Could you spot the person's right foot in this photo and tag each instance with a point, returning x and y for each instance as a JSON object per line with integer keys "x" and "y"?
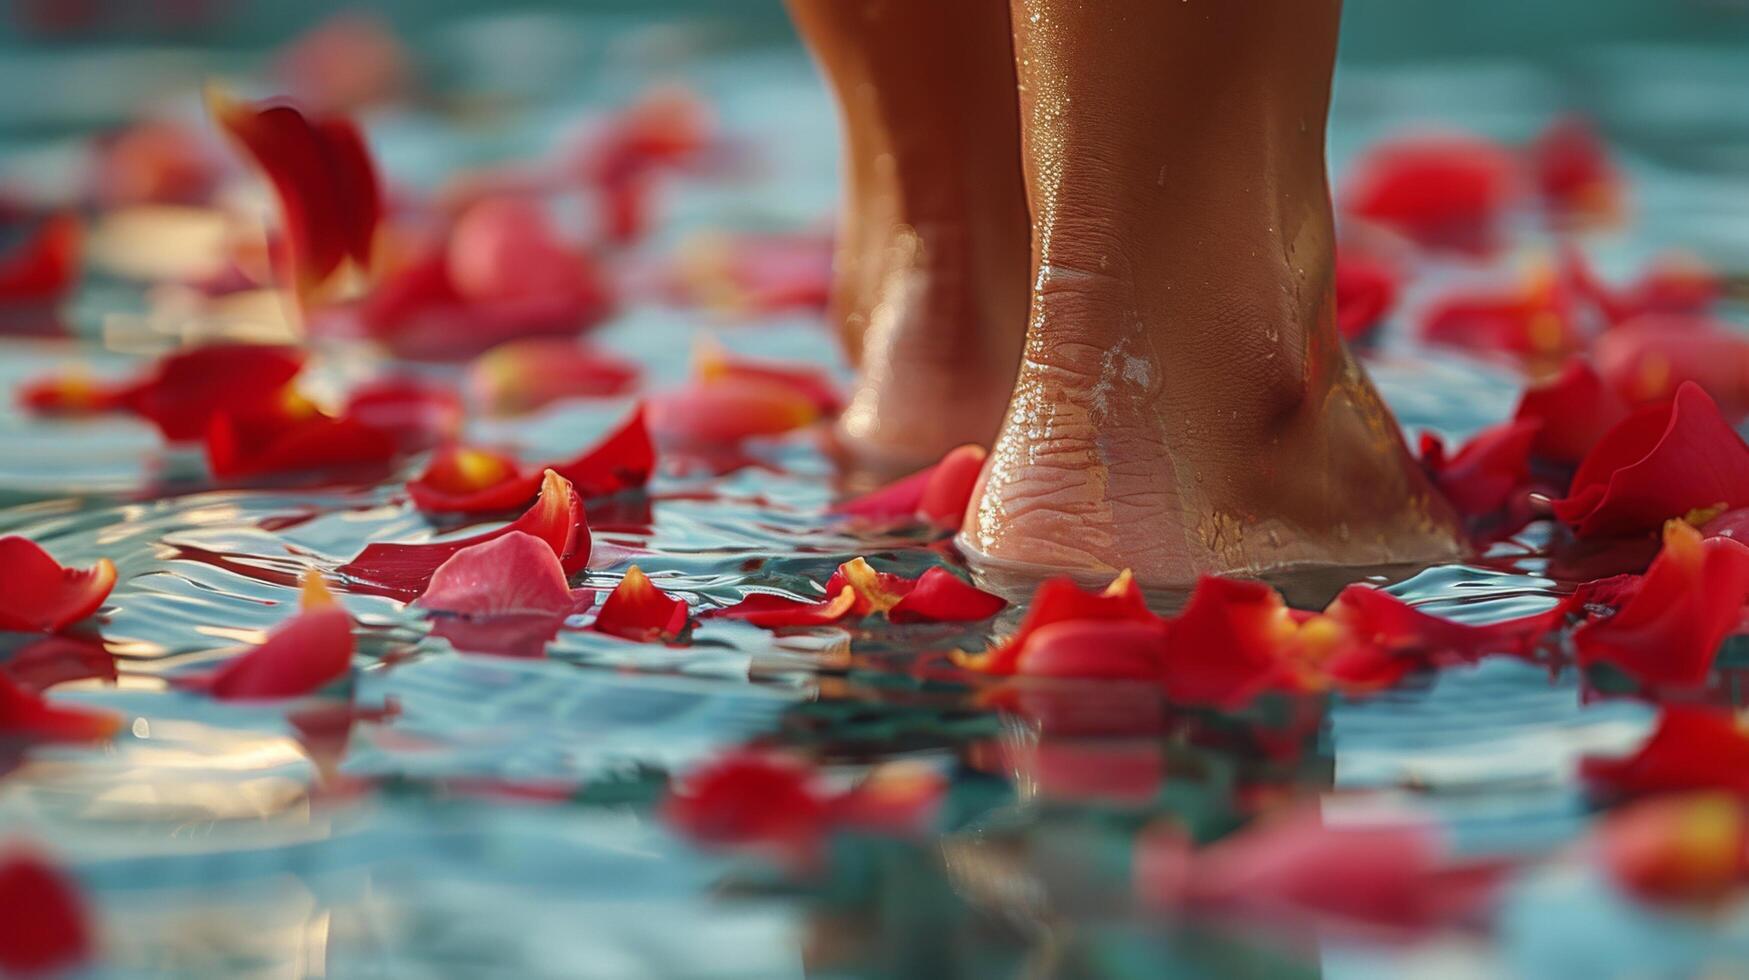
{"x": 1185, "y": 405}
{"x": 932, "y": 258}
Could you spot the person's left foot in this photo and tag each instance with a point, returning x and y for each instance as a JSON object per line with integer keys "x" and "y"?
{"x": 930, "y": 289}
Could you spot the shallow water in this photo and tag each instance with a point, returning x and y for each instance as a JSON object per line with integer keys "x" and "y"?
{"x": 500, "y": 822}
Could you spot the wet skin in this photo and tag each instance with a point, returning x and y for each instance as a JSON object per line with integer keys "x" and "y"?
{"x": 930, "y": 289}
{"x": 1183, "y": 402}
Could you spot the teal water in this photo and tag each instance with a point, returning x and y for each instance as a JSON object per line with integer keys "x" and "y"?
{"x": 213, "y": 841}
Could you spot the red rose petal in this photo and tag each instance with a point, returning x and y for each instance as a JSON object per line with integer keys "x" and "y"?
{"x": 622, "y": 460}
{"x": 1669, "y": 630}
{"x": 1486, "y": 471}
{"x": 1648, "y": 357}
{"x": 303, "y": 655}
{"x": 503, "y": 249}
{"x": 38, "y": 595}
{"x": 948, "y": 493}
{"x": 940, "y": 596}
{"x": 1685, "y": 848}
{"x": 415, "y": 413}
{"x": 1674, "y": 285}
{"x": 1376, "y": 619}
{"x": 44, "y": 267}
{"x": 350, "y": 61}
{"x": 755, "y": 274}
{"x": 1660, "y": 462}
{"x": 523, "y": 375}
{"x": 278, "y": 441}
{"x": 182, "y": 392}
{"x": 152, "y": 162}
{"x": 1224, "y": 648}
{"x": 1690, "y": 749}
{"x": 1060, "y": 600}
{"x": 637, "y": 610}
{"x": 1572, "y": 413}
{"x": 1396, "y": 876}
{"x": 711, "y": 363}
{"x": 751, "y": 799}
{"x": 1532, "y": 321}
{"x": 51, "y": 660}
{"x": 1574, "y": 173}
{"x": 514, "y": 574}
{"x": 1092, "y": 649}
{"x": 419, "y": 312}
{"x": 1442, "y": 191}
{"x": 728, "y": 411}
{"x": 406, "y": 569}
{"x": 938, "y": 495}
{"x": 664, "y": 129}
{"x": 45, "y": 930}
{"x": 322, "y": 173}
{"x": 462, "y": 480}
{"x": 769, "y": 611}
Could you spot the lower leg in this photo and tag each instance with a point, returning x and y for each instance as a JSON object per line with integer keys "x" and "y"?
{"x": 930, "y": 285}
{"x": 1184, "y": 403}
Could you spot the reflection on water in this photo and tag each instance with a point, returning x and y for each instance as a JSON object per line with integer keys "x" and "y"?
{"x": 463, "y": 815}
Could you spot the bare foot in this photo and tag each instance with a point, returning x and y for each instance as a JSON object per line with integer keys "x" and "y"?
{"x": 1184, "y": 404}
{"x": 930, "y": 287}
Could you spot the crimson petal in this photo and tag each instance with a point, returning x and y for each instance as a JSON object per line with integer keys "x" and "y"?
{"x": 1660, "y": 462}
{"x": 511, "y": 574}
{"x": 45, "y": 930}
{"x": 1669, "y": 629}
{"x": 1648, "y": 357}
{"x": 751, "y": 799}
{"x": 1574, "y": 173}
{"x": 1442, "y": 191}
{"x": 1690, "y": 749}
{"x": 1222, "y": 649}
{"x": 1060, "y": 600}
{"x": 275, "y": 442}
{"x": 1572, "y": 412}
{"x": 523, "y": 375}
{"x": 38, "y": 595}
{"x": 940, "y": 596}
{"x": 637, "y": 610}
{"x": 1486, "y": 471}
{"x": 322, "y": 173}
{"x": 463, "y": 480}
{"x": 622, "y": 460}
{"x": 45, "y": 267}
{"x": 939, "y": 495}
{"x": 405, "y": 569}
{"x": 302, "y": 656}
